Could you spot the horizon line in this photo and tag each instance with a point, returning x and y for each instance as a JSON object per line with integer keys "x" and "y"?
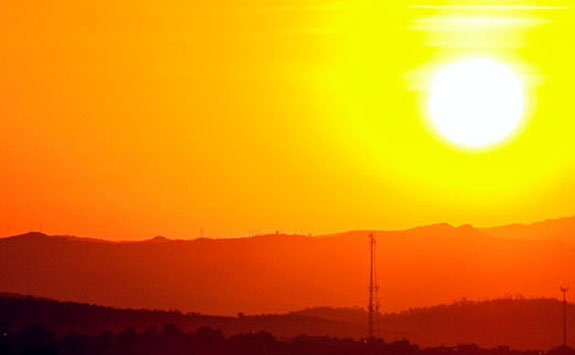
{"x": 281, "y": 232}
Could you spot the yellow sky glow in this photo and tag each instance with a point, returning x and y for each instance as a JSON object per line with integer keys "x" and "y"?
{"x": 130, "y": 119}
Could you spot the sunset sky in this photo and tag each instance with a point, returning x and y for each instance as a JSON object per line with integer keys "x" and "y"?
{"x": 130, "y": 119}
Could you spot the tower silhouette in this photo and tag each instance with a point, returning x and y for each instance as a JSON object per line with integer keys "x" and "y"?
{"x": 373, "y": 303}
{"x": 564, "y": 291}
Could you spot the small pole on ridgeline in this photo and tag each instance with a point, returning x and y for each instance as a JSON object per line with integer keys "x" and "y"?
{"x": 564, "y": 291}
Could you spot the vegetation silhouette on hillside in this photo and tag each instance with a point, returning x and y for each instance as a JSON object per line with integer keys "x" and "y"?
{"x": 519, "y": 323}
{"x": 170, "y": 339}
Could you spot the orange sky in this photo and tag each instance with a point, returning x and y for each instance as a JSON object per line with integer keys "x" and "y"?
{"x": 129, "y": 119}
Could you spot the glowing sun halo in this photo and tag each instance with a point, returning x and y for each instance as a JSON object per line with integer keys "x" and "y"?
{"x": 476, "y": 102}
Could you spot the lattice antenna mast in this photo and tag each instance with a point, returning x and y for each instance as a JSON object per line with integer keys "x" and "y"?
{"x": 373, "y": 305}
{"x": 376, "y": 301}
{"x": 564, "y": 291}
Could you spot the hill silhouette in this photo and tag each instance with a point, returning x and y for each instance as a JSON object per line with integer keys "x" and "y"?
{"x": 562, "y": 230}
{"x": 278, "y": 273}
{"x": 519, "y": 323}
{"x": 170, "y": 339}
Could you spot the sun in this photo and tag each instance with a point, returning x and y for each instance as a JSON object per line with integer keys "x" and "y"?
{"x": 476, "y": 102}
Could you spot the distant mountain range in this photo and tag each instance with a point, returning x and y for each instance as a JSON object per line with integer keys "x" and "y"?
{"x": 279, "y": 273}
{"x": 519, "y": 323}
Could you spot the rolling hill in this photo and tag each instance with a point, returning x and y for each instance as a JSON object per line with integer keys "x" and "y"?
{"x": 519, "y": 323}
{"x": 278, "y": 273}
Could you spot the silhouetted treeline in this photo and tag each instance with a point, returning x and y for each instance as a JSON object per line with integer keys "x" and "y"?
{"x": 36, "y": 340}
{"x": 65, "y": 317}
{"x": 519, "y": 323}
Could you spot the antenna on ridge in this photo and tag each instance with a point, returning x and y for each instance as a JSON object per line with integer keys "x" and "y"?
{"x": 373, "y": 304}
{"x": 564, "y": 291}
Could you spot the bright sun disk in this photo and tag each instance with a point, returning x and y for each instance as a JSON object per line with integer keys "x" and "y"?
{"x": 476, "y": 102}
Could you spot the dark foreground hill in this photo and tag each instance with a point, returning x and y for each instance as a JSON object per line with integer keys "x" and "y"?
{"x": 519, "y": 323}
{"x": 279, "y": 273}
{"x": 36, "y": 340}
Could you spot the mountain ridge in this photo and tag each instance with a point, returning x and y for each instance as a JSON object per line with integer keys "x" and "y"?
{"x": 493, "y": 231}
